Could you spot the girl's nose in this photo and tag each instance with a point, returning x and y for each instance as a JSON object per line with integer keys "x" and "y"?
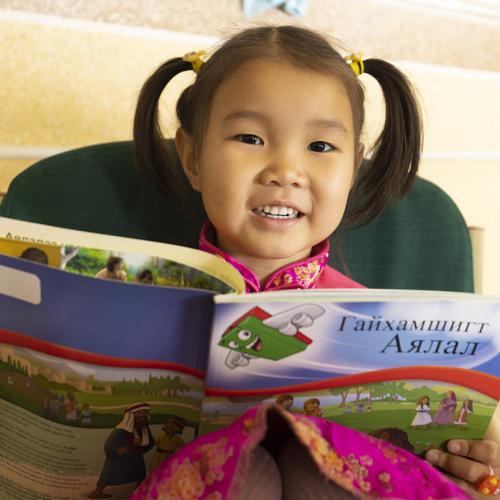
{"x": 283, "y": 172}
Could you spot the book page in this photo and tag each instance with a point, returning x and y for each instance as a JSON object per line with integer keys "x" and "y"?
{"x": 429, "y": 367}
{"x": 67, "y": 240}
{"x": 354, "y": 294}
{"x": 99, "y": 381}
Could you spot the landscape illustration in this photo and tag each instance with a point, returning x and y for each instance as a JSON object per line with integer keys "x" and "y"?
{"x": 91, "y": 396}
{"x": 425, "y": 412}
{"x": 122, "y": 266}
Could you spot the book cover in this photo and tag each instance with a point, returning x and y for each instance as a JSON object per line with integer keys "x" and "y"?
{"x": 428, "y": 365}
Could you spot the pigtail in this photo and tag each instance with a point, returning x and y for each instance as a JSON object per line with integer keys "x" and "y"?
{"x": 390, "y": 172}
{"x": 155, "y": 156}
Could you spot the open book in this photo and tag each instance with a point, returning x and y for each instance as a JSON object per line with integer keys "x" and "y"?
{"x": 102, "y": 378}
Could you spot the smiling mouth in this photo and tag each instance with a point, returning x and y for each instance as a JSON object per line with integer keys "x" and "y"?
{"x": 256, "y": 345}
{"x": 277, "y": 212}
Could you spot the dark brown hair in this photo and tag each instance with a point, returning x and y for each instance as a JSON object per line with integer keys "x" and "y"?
{"x": 35, "y": 254}
{"x": 395, "y": 436}
{"x": 395, "y": 156}
{"x": 421, "y": 398}
{"x": 284, "y": 397}
{"x": 145, "y": 275}
{"x": 112, "y": 263}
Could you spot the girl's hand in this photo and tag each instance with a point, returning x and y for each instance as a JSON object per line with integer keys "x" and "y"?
{"x": 466, "y": 462}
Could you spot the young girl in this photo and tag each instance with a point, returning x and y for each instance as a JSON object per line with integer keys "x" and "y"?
{"x": 269, "y": 136}
{"x": 462, "y": 417}
{"x": 114, "y": 270}
{"x": 423, "y": 416}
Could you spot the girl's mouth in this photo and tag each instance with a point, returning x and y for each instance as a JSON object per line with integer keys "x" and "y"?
{"x": 277, "y": 212}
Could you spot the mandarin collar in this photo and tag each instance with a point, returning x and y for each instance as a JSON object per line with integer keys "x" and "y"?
{"x": 302, "y": 274}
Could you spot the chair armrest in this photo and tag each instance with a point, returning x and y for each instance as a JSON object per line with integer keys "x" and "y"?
{"x": 477, "y": 242}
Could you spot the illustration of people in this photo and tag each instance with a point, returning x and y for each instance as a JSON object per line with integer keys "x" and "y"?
{"x": 145, "y": 277}
{"x": 347, "y": 410}
{"x": 54, "y": 407}
{"x": 312, "y": 407}
{"x": 360, "y": 408}
{"x": 114, "y": 270}
{"x": 168, "y": 441}
{"x": 45, "y": 406}
{"x": 462, "y": 416}
{"x": 423, "y": 416}
{"x": 446, "y": 409}
{"x": 35, "y": 255}
{"x": 70, "y": 407}
{"x": 285, "y": 401}
{"x": 86, "y": 415}
{"x": 124, "y": 450}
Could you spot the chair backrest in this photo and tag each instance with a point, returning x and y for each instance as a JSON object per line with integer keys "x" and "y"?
{"x": 419, "y": 242}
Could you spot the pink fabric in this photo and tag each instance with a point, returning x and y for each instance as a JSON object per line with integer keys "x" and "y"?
{"x": 312, "y": 272}
{"x": 330, "y": 278}
{"x": 214, "y": 466}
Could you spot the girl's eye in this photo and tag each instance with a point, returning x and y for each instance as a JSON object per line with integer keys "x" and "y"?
{"x": 232, "y": 344}
{"x": 321, "y": 147}
{"x": 250, "y": 139}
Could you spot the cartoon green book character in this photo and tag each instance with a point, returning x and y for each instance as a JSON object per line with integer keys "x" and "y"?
{"x": 258, "y": 334}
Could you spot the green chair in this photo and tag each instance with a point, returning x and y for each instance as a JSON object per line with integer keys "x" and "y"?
{"x": 419, "y": 242}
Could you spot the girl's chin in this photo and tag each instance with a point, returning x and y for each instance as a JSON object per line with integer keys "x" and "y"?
{"x": 281, "y": 254}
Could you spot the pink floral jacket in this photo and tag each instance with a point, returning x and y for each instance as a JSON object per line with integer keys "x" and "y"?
{"x": 314, "y": 272}
{"x": 214, "y": 466}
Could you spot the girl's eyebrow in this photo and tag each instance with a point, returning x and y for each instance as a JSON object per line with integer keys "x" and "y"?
{"x": 252, "y": 115}
{"x": 330, "y": 124}
{"x": 262, "y": 117}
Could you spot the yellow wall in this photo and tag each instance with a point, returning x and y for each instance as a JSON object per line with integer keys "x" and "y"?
{"x": 69, "y": 83}
{"x": 462, "y": 149}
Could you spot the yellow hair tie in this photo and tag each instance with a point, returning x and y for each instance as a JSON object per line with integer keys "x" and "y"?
{"x": 355, "y": 61}
{"x": 195, "y": 58}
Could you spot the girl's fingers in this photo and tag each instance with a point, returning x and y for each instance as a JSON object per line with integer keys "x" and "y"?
{"x": 461, "y": 467}
{"x": 484, "y": 451}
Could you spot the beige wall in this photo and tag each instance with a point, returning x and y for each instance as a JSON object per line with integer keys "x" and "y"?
{"x": 418, "y": 30}
{"x": 68, "y": 81}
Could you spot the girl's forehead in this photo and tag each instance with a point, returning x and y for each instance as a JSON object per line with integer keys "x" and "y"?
{"x": 267, "y": 82}
{"x": 262, "y": 71}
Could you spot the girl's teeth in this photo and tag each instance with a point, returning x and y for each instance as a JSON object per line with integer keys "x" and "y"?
{"x": 275, "y": 212}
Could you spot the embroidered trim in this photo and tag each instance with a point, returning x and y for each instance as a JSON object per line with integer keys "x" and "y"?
{"x": 303, "y": 274}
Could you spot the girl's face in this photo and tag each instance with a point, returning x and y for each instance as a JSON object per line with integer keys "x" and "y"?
{"x": 118, "y": 267}
{"x": 277, "y": 162}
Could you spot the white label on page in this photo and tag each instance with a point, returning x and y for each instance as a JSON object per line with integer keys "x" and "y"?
{"x": 20, "y": 285}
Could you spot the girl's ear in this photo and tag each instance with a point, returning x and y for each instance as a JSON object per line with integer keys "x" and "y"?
{"x": 360, "y": 155}
{"x": 185, "y": 150}
{"x": 358, "y": 160}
